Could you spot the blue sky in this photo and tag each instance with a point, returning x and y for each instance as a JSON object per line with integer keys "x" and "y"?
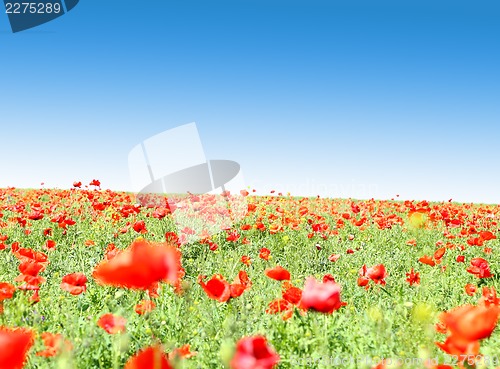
{"x": 343, "y": 99}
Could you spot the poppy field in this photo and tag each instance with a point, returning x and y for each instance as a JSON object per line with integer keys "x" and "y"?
{"x": 89, "y": 278}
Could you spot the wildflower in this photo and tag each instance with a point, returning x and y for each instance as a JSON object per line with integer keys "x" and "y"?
{"x": 254, "y": 353}
{"x": 278, "y": 273}
{"x": 74, "y": 283}
{"x": 112, "y": 323}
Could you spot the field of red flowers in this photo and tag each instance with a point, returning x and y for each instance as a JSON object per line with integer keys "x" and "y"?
{"x": 91, "y": 279}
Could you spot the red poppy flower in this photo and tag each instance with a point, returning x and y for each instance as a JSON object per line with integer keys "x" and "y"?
{"x": 74, "y": 283}
{"x": 31, "y": 268}
{"x": 439, "y": 253}
{"x": 291, "y": 293}
{"x": 475, "y": 241}
{"x": 95, "y": 182}
{"x": 470, "y": 289}
{"x": 259, "y": 225}
{"x": 240, "y": 284}
{"x": 233, "y": 236}
{"x": 140, "y": 226}
{"x": 412, "y": 242}
{"x": 480, "y": 268}
{"x": 328, "y": 278}
{"x": 31, "y": 282}
{"x": 471, "y": 323}
{"x": 149, "y": 358}
{"x": 183, "y": 352}
{"x": 264, "y": 253}
{"x": 278, "y": 273}
{"x": 246, "y": 260}
{"x": 36, "y": 214}
{"x": 112, "y": 323}
{"x": 145, "y": 307}
{"x": 377, "y": 274}
{"x": 412, "y": 277}
{"x": 188, "y": 231}
{"x": 50, "y": 244}
{"x": 140, "y": 266}
{"x": 460, "y": 259}
{"x": 6, "y": 292}
{"x": 427, "y": 260}
{"x": 236, "y": 290}
{"x": 322, "y": 297}
{"x": 15, "y": 344}
{"x": 216, "y": 288}
{"x": 454, "y": 346}
{"x": 111, "y": 251}
{"x": 254, "y": 353}
{"x": 35, "y": 297}
{"x": 278, "y": 305}
{"x": 363, "y": 282}
{"x": 487, "y": 235}
{"x": 334, "y": 257}
{"x": 54, "y": 344}
{"x": 489, "y": 297}
{"x": 24, "y": 254}
{"x": 440, "y": 328}
{"x": 171, "y": 237}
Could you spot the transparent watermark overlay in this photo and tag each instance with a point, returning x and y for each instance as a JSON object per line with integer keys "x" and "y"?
{"x": 170, "y": 170}
{"x": 312, "y": 187}
{"x": 396, "y": 362}
{"x": 26, "y": 14}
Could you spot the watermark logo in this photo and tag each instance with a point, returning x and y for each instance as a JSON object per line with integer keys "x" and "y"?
{"x": 170, "y": 171}
{"x": 24, "y": 15}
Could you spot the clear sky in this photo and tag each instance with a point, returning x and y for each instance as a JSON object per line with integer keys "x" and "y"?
{"x": 338, "y": 98}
